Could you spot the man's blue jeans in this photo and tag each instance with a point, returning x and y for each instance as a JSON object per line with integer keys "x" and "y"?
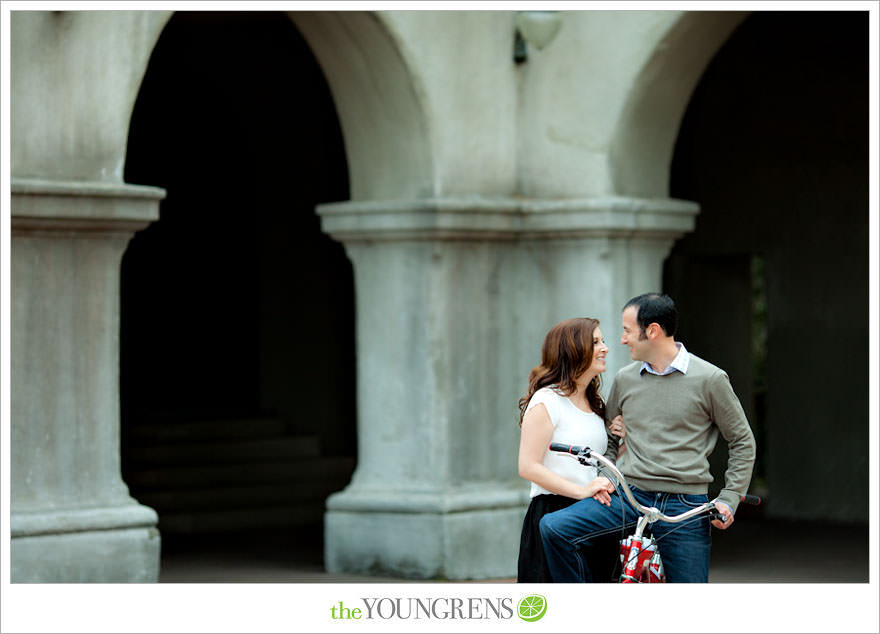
{"x": 684, "y": 547}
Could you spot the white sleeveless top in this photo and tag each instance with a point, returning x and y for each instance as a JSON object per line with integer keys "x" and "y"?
{"x": 572, "y": 426}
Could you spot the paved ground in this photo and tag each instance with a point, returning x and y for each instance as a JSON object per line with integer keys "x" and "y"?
{"x": 753, "y": 551}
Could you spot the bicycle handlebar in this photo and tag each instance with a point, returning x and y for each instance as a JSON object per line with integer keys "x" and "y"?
{"x": 652, "y": 514}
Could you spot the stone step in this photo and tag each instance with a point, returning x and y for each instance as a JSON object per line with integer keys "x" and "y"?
{"x": 305, "y": 470}
{"x": 161, "y": 431}
{"x": 258, "y": 450}
{"x": 238, "y": 519}
{"x": 230, "y": 497}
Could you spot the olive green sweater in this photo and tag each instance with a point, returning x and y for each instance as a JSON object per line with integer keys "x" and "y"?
{"x": 672, "y": 424}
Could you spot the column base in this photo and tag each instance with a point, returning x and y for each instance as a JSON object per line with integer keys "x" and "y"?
{"x": 110, "y": 545}
{"x": 452, "y": 543}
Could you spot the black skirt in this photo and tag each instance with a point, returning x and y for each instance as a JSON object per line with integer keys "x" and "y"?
{"x": 532, "y": 567}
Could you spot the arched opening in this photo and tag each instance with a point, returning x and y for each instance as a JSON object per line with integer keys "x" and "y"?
{"x": 237, "y": 373}
{"x": 772, "y": 284}
{"x": 645, "y": 132}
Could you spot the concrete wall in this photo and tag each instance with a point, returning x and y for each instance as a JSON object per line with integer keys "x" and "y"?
{"x": 439, "y": 109}
{"x": 415, "y": 124}
{"x": 460, "y": 63}
{"x": 75, "y": 76}
{"x": 488, "y": 201}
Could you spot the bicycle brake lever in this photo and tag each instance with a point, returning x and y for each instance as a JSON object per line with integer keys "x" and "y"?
{"x": 715, "y": 514}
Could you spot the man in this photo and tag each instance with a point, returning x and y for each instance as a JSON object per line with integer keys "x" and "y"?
{"x": 674, "y": 405}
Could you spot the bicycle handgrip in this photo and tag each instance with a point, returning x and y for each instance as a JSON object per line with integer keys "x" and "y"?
{"x": 572, "y": 449}
{"x": 750, "y": 499}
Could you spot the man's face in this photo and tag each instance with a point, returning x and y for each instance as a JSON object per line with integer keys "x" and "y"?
{"x": 633, "y": 336}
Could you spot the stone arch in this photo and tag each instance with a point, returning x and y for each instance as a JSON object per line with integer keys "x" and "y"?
{"x": 384, "y": 134}
{"x": 646, "y": 131}
{"x": 377, "y": 100}
{"x": 246, "y": 139}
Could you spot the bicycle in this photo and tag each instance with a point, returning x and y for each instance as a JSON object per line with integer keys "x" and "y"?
{"x": 639, "y": 557}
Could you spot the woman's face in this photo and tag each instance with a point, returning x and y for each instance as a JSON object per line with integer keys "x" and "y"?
{"x": 600, "y": 350}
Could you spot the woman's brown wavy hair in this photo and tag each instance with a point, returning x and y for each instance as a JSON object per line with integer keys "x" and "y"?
{"x": 566, "y": 354}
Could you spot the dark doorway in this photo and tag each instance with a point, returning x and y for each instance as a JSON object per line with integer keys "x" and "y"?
{"x": 773, "y": 283}
{"x": 237, "y": 369}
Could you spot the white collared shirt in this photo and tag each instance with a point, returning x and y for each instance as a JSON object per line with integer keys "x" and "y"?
{"x": 679, "y": 363}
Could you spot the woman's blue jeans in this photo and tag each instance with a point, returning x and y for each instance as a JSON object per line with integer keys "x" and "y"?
{"x": 684, "y": 547}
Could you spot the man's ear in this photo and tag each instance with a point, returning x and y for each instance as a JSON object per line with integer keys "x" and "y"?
{"x": 653, "y": 330}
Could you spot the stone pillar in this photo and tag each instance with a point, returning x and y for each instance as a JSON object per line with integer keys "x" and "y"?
{"x": 434, "y": 494}
{"x": 72, "y": 519}
{"x": 453, "y": 298}
{"x": 587, "y": 257}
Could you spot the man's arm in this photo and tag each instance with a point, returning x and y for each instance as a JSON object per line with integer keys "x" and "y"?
{"x": 729, "y": 417}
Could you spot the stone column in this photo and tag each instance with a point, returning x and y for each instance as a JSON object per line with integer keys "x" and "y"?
{"x": 72, "y": 519}
{"x": 587, "y": 257}
{"x": 453, "y": 298}
{"x": 435, "y": 494}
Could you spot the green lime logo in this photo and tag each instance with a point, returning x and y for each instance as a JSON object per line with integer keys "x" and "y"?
{"x": 532, "y": 607}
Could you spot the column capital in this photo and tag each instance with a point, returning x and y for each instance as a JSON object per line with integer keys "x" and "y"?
{"x": 507, "y": 218}
{"x": 81, "y": 207}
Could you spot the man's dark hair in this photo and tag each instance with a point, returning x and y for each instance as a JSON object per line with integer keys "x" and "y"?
{"x": 655, "y": 308}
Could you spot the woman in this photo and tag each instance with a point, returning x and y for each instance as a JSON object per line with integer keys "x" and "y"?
{"x": 562, "y": 404}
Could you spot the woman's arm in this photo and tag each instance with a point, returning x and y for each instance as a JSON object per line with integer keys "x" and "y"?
{"x": 616, "y": 437}
{"x": 537, "y": 430}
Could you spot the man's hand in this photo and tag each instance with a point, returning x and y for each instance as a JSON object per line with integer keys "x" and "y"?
{"x": 727, "y": 512}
